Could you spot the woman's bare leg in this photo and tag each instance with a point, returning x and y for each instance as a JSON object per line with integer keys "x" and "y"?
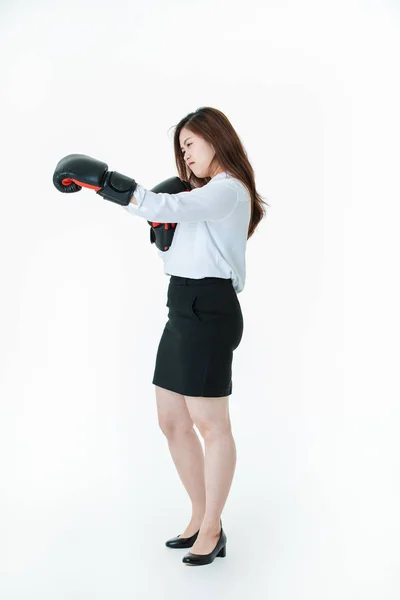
{"x": 186, "y": 451}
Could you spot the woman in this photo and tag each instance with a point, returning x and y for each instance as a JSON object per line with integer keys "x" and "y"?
{"x": 206, "y": 262}
{"x": 206, "y": 265}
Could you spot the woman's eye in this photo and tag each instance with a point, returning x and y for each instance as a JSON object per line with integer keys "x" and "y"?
{"x": 189, "y": 144}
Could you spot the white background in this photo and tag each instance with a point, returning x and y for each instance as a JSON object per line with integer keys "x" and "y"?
{"x": 88, "y": 489}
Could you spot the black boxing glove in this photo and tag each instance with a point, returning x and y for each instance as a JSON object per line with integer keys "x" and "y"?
{"x": 78, "y": 170}
{"x": 75, "y": 171}
{"x": 162, "y": 233}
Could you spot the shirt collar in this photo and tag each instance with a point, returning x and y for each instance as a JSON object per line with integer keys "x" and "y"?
{"x": 222, "y": 175}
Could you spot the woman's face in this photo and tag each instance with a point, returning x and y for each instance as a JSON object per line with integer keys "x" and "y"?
{"x": 196, "y": 150}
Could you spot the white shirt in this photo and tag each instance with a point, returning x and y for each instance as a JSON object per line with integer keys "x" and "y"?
{"x": 211, "y": 232}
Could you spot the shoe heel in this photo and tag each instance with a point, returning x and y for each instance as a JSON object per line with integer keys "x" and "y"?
{"x": 222, "y": 552}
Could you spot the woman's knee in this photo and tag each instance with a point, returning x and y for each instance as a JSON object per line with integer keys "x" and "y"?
{"x": 172, "y": 412}
{"x": 210, "y": 415}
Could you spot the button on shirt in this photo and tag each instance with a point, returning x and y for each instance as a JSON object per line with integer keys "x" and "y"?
{"x": 211, "y": 232}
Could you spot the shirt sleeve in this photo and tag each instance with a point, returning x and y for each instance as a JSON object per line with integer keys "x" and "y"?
{"x": 212, "y": 202}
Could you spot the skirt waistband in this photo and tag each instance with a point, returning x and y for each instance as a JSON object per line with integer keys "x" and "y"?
{"x": 177, "y": 280}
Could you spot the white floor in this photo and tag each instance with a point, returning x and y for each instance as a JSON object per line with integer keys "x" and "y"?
{"x": 311, "y": 515}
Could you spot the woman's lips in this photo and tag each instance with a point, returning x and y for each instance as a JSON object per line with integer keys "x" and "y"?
{"x": 191, "y": 163}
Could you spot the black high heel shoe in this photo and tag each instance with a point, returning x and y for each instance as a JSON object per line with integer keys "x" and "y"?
{"x": 205, "y": 559}
{"x": 180, "y": 542}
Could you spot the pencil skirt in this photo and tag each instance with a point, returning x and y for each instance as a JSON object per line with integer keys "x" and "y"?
{"x": 204, "y": 327}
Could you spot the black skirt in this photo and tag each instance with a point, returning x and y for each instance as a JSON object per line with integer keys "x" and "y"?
{"x": 204, "y": 327}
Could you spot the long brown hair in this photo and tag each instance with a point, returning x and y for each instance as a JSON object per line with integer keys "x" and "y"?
{"x": 215, "y": 128}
